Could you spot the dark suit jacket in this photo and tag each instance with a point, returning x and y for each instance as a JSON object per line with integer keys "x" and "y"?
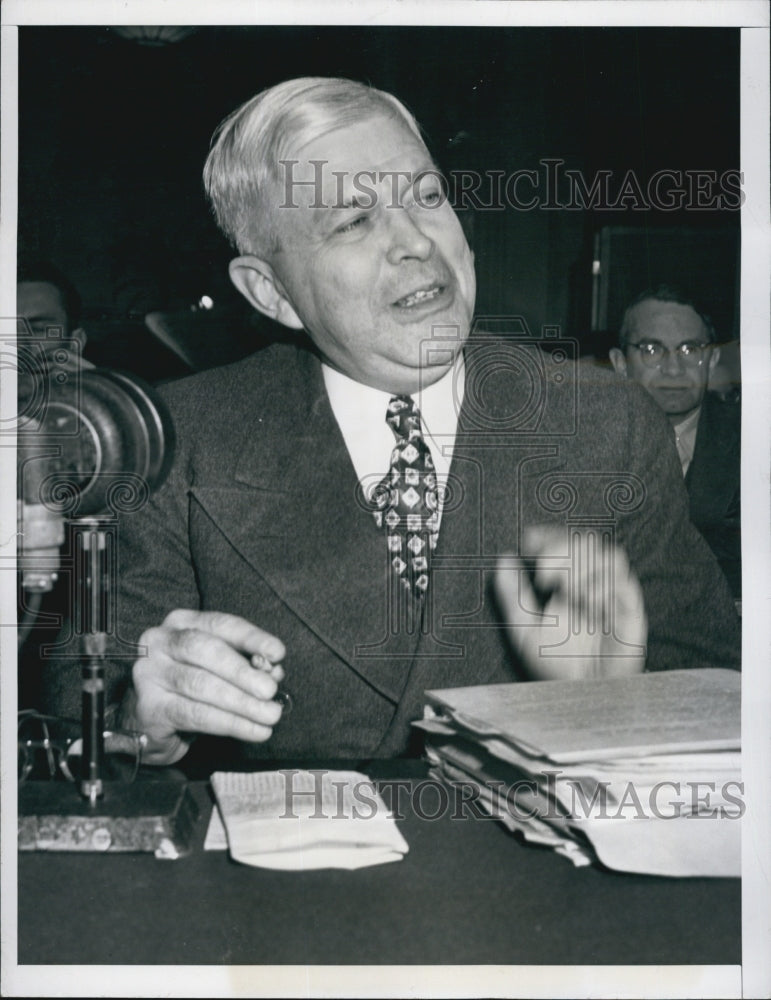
{"x": 713, "y": 483}
{"x": 260, "y": 517}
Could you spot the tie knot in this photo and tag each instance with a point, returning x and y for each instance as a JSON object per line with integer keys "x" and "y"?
{"x": 403, "y": 417}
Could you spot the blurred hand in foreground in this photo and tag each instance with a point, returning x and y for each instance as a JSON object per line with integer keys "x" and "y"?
{"x": 573, "y": 606}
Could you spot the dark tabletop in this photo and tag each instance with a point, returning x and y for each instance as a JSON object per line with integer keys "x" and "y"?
{"x": 467, "y": 893}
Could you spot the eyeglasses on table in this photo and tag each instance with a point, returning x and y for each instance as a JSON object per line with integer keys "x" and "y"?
{"x": 50, "y": 748}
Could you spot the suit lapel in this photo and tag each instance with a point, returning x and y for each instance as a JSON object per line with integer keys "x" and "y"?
{"x": 295, "y": 514}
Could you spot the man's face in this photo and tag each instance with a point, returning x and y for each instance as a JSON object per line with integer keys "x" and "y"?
{"x": 384, "y": 263}
{"x": 42, "y": 306}
{"x": 676, "y": 385}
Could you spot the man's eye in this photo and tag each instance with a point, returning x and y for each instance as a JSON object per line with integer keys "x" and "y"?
{"x": 353, "y": 224}
{"x": 428, "y": 197}
{"x": 688, "y": 348}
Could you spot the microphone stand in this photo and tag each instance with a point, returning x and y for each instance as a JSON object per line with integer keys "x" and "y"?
{"x": 105, "y": 815}
{"x": 112, "y": 442}
{"x": 92, "y": 551}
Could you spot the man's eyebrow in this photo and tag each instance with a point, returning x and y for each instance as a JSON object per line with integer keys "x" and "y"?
{"x": 336, "y": 201}
{"x": 351, "y": 202}
{"x": 33, "y": 317}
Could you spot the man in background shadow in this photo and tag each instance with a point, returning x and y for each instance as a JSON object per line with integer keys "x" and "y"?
{"x": 50, "y": 347}
{"x": 667, "y": 345}
{"x": 49, "y": 309}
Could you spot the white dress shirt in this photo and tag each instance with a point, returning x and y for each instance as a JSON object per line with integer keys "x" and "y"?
{"x": 685, "y": 438}
{"x": 360, "y": 412}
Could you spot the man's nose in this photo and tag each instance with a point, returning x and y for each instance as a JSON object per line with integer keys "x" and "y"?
{"x": 672, "y": 362}
{"x": 407, "y": 239}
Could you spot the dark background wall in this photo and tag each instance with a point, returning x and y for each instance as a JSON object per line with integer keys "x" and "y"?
{"x": 113, "y": 135}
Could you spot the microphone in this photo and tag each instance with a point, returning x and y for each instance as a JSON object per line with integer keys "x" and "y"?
{"x": 99, "y": 446}
{"x": 40, "y": 528}
{"x": 94, "y": 435}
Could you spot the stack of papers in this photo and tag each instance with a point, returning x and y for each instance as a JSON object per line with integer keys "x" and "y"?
{"x": 297, "y": 820}
{"x": 639, "y": 773}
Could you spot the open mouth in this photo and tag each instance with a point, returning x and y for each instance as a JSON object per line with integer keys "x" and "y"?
{"x": 420, "y": 297}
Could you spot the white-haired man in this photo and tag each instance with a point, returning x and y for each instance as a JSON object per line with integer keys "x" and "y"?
{"x": 393, "y": 507}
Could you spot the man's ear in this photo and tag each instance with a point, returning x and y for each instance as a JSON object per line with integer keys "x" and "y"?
{"x": 714, "y": 358}
{"x": 618, "y": 360}
{"x": 79, "y": 335}
{"x": 255, "y": 280}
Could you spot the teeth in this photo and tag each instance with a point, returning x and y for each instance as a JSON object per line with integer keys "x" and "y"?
{"x": 420, "y": 296}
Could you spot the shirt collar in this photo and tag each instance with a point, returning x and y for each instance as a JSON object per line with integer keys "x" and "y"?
{"x": 360, "y": 411}
{"x": 685, "y": 438}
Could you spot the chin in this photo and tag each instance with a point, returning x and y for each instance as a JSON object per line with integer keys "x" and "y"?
{"x": 680, "y": 412}
{"x": 431, "y": 374}
{"x": 680, "y": 402}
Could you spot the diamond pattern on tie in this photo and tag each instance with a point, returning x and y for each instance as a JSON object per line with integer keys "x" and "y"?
{"x": 407, "y": 500}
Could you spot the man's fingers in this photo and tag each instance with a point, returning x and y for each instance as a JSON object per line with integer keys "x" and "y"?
{"x": 593, "y": 622}
{"x": 189, "y": 648}
{"x": 195, "y": 716}
{"x": 582, "y": 568}
{"x": 237, "y": 631}
{"x": 275, "y": 670}
{"x": 180, "y": 697}
{"x": 545, "y": 548}
{"x": 205, "y": 672}
{"x": 564, "y": 563}
{"x": 516, "y": 596}
{"x": 195, "y": 690}
{"x": 629, "y": 607}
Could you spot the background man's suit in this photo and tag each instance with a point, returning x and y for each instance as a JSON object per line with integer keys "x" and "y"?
{"x": 713, "y": 483}
{"x": 264, "y": 496}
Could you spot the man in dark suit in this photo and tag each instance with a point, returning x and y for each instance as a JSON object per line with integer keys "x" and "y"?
{"x": 397, "y": 505}
{"x": 668, "y": 345}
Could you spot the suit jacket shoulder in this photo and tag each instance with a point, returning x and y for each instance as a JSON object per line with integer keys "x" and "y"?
{"x": 221, "y": 414}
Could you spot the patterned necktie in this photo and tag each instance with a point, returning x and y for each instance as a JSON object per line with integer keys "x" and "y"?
{"x": 407, "y": 501}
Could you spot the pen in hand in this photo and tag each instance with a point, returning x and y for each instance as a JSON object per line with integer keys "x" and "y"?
{"x": 276, "y": 671}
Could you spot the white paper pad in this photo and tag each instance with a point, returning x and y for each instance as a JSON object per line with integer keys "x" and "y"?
{"x": 297, "y": 820}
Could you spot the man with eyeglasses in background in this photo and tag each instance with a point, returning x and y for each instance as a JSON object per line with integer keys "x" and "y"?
{"x": 667, "y": 344}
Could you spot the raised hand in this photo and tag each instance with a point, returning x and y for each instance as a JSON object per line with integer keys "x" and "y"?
{"x": 573, "y": 606}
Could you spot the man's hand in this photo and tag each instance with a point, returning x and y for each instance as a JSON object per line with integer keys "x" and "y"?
{"x": 205, "y": 672}
{"x": 581, "y": 615}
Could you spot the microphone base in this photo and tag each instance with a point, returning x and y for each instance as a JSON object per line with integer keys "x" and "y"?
{"x": 147, "y": 816}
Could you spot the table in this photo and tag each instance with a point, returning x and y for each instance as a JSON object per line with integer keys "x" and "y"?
{"x": 467, "y": 893}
